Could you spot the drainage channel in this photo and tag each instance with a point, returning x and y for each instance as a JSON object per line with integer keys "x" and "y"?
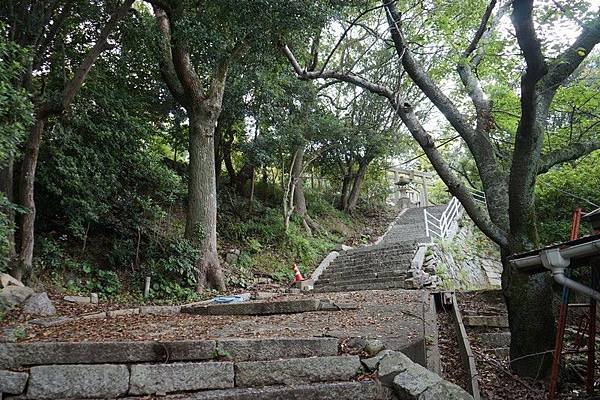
{"x": 457, "y": 359}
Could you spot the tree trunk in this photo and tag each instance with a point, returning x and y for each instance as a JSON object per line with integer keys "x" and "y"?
{"x": 529, "y": 303}
{"x": 531, "y": 320}
{"x": 299, "y": 199}
{"x": 345, "y": 192}
{"x": 6, "y": 187}
{"x": 201, "y": 223}
{"x": 26, "y": 198}
{"x": 357, "y": 184}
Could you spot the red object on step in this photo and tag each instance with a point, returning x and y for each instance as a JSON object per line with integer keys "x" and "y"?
{"x": 297, "y": 275}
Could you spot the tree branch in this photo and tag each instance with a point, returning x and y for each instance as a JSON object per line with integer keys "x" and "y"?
{"x": 481, "y": 30}
{"x": 566, "y": 63}
{"x": 573, "y": 152}
{"x": 75, "y": 83}
{"x": 165, "y": 61}
{"x": 406, "y": 113}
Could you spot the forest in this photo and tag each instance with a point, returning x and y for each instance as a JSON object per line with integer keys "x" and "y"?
{"x": 207, "y": 145}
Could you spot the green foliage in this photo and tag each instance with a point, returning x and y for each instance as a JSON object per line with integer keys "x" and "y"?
{"x": 560, "y": 191}
{"x": 16, "y": 110}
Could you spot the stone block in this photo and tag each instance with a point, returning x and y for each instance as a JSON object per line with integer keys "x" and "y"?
{"x": 39, "y": 304}
{"x": 392, "y": 363}
{"x": 255, "y": 308}
{"x": 100, "y": 315}
{"x": 13, "y": 382}
{"x": 294, "y": 371}
{"x": 490, "y": 321}
{"x": 94, "y": 298}
{"x": 160, "y": 310}
{"x": 445, "y": 391}
{"x": 52, "y": 321}
{"x": 77, "y": 381}
{"x": 272, "y": 349}
{"x": 78, "y": 299}
{"x": 13, "y": 355}
{"x": 264, "y": 295}
{"x": 123, "y": 313}
{"x": 494, "y": 340}
{"x": 409, "y": 384}
{"x": 166, "y": 378}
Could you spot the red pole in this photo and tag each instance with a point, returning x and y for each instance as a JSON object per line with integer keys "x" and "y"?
{"x": 562, "y": 318}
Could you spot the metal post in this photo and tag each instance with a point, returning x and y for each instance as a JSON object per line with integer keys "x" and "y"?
{"x": 426, "y": 223}
{"x": 425, "y": 197}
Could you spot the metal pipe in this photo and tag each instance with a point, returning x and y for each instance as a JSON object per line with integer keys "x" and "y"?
{"x": 554, "y": 260}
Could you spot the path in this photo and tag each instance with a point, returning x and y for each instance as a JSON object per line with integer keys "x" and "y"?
{"x": 312, "y": 353}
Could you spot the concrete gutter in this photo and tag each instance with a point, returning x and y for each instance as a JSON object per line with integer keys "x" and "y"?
{"x": 557, "y": 260}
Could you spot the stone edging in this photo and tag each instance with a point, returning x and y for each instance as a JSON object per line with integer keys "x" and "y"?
{"x": 310, "y": 283}
{"x": 466, "y": 354}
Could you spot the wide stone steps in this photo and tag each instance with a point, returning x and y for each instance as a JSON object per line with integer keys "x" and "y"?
{"x": 385, "y": 265}
{"x": 275, "y": 368}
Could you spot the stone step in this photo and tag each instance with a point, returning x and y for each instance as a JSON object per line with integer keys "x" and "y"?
{"x": 366, "y": 269}
{"x": 490, "y": 321}
{"x": 365, "y": 390}
{"x": 364, "y": 286}
{"x": 358, "y": 280}
{"x": 373, "y": 258}
{"x": 493, "y": 340}
{"x": 362, "y": 275}
{"x": 296, "y": 370}
{"x": 17, "y": 355}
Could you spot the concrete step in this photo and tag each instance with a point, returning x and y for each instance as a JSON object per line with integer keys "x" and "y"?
{"x": 363, "y": 286}
{"x": 366, "y": 390}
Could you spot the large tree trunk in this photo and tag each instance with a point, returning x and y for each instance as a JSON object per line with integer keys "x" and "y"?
{"x": 356, "y": 185}
{"x": 26, "y": 199}
{"x": 201, "y": 223}
{"x": 345, "y": 192}
{"x": 6, "y": 187}
{"x": 299, "y": 199}
{"x": 531, "y": 321}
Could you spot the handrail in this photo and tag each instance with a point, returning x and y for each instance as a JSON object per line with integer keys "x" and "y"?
{"x": 451, "y": 214}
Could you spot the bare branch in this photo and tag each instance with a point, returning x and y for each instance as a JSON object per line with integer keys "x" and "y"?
{"x": 480, "y": 31}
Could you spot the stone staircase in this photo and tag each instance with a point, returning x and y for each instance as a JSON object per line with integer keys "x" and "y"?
{"x": 276, "y": 368}
{"x": 385, "y": 265}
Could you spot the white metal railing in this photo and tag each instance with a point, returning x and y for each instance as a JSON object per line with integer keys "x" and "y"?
{"x": 443, "y": 226}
